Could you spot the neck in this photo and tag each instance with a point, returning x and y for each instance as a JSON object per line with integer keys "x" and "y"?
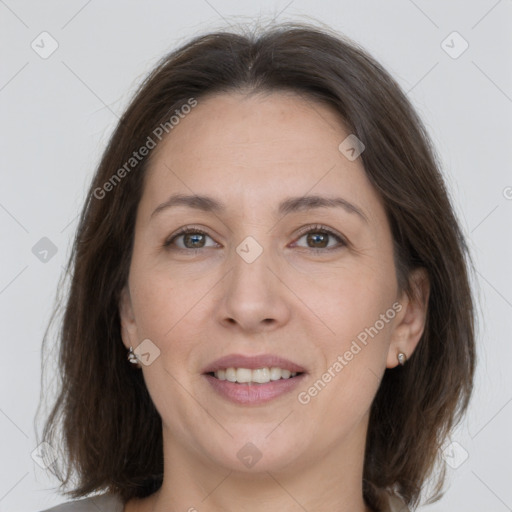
{"x": 330, "y": 481}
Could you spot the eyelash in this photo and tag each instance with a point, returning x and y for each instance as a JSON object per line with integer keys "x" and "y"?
{"x": 317, "y": 228}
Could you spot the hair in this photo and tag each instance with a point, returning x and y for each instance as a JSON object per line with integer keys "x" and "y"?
{"x": 110, "y": 429}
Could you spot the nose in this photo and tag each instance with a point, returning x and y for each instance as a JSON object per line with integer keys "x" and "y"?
{"x": 253, "y": 299}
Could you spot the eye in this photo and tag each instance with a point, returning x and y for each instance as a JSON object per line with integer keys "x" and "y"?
{"x": 189, "y": 239}
{"x": 318, "y": 238}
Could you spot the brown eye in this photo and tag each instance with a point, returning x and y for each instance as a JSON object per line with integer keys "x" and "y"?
{"x": 189, "y": 239}
{"x": 321, "y": 238}
{"x": 193, "y": 240}
{"x": 318, "y": 240}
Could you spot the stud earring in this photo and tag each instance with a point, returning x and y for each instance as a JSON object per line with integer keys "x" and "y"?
{"x": 402, "y": 358}
{"x": 132, "y": 357}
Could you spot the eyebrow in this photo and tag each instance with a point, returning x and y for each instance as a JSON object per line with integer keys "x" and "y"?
{"x": 289, "y": 205}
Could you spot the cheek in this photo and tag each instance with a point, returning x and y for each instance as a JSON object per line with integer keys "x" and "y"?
{"x": 355, "y": 307}
{"x": 353, "y": 359}
{"x": 173, "y": 313}
{"x": 160, "y": 300}
{"x": 348, "y": 298}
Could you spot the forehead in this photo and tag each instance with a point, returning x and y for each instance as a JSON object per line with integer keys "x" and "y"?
{"x": 281, "y": 126}
{"x": 256, "y": 148}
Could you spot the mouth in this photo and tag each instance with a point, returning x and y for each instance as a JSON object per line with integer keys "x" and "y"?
{"x": 253, "y": 376}
{"x": 253, "y": 380}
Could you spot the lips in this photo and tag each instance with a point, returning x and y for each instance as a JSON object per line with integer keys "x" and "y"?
{"x": 252, "y": 363}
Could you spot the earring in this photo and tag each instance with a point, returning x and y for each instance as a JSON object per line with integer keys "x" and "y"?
{"x": 402, "y": 358}
{"x": 132, "y": 357}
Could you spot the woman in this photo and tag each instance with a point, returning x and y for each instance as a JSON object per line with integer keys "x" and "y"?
{"x": 269, "y": 303}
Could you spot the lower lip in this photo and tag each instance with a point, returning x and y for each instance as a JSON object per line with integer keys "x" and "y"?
{"x": 253, "y": 394}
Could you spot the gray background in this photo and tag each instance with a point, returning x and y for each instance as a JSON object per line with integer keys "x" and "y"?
{"x": 58, "y": 112}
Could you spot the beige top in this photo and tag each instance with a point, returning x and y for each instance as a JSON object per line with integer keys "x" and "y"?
{"x": 396, "y": 505}
{"x": 103, "y": 502}
{"x": 112, "y": 503}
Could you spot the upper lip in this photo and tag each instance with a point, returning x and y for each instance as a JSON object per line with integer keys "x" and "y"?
{"x": 252, "y": 363}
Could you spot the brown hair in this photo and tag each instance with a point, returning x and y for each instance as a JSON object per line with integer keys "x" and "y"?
{"x": 111, "y": 431}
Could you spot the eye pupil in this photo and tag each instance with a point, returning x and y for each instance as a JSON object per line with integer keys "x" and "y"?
{"x": 318, "y": 238}
{"x": 193, "y": 238}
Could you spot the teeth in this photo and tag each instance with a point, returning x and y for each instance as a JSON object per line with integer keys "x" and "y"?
{"x": 231, "y": 374}
{"x": 278, "y": 373}
{"x": 259, "y": 376}
{"x": 243, "y": 375}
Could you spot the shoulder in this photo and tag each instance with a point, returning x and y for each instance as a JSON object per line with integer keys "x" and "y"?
{"x": 104, "y": 502}
{"x": 396, "y": 505}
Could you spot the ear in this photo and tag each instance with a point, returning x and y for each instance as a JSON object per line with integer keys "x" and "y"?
{"x": 410, "y": 322}
{"x": 128, "y": 325}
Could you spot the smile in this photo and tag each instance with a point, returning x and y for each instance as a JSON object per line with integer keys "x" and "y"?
{"x": 256, "y": 376}
{"x": 256, "y": 387}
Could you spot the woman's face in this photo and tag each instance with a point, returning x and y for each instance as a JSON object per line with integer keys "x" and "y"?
{"x": 271, "y": 273}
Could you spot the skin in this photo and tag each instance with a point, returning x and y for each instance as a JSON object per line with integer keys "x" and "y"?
{"x": 252, "y": 152}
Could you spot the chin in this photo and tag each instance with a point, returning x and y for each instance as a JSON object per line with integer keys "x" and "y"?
{"x": 257, "y": 452}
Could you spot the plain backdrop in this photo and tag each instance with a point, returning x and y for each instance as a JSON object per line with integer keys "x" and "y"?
{"x": 57, "y": 111}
